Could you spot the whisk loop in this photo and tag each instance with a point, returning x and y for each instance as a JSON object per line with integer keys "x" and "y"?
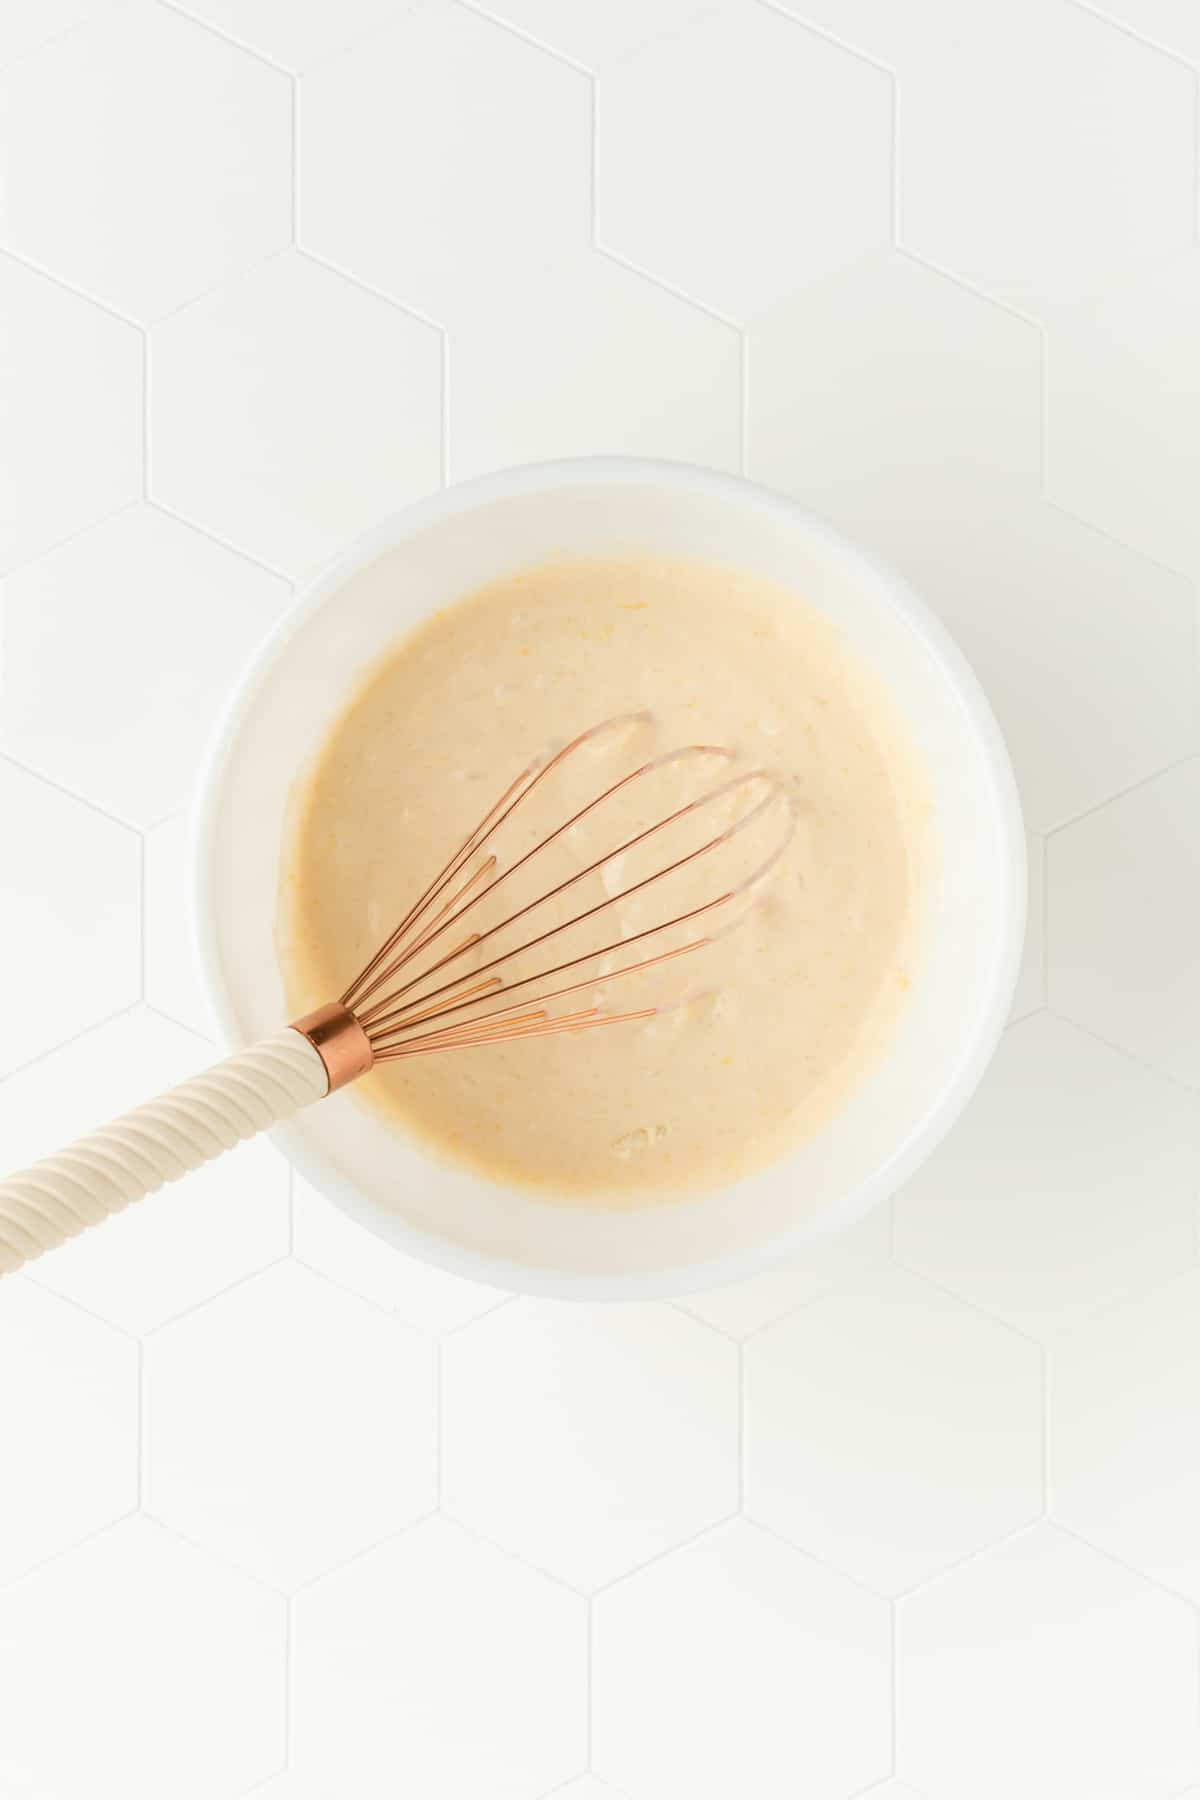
{"x": 389, "y": 1003}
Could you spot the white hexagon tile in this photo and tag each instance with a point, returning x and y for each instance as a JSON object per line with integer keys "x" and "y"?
{"x": 290, "y": 409}
{"x": 1070, "y": 1181}
{"x": 1046, "y": 1668}
{"x": 1123, "y": 378}
{"x": 927, "y": 1444}
{"x": 171, "y": 976}
{"x": 890, "y": 397}
{"x": 289, "y": 1425}
{"x": 1031, "y": 977}
{"x": 147, "y": 1636}
{"x": 286, "y": 1513}
{"x": 69, "y": 1425}
{"x": 736, "y": 1664}
{"x": 441, "y": 1666}
{"x": 1124, "y": 899}
{"x": 69, "y": 902}
{"x": 439, "y": 154}
{"x": 526, "y": 381}
{"x": 589, "y": 1440}
{"x": 707, "y": 198}
{"x": 1048, "y": 214}
{"x": 144, "y": 232}
{"x": 72, "y": 402}
{"x": 1123, "y": 1473}
{"x": 187, "y": 608}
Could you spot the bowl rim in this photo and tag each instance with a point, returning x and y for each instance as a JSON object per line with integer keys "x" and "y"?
{"x": 976, "y": 1051}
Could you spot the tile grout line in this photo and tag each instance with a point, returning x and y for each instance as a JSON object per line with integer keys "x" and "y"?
{"x": 822, "y": 32}
{"x": 895, "y": 160}
{"x": 295, "y": 195}
{"x": 381, "y": 28}
{"x": 392, "y": 1536}
{"x": 77, "y": 531}
{"x": 439, "y": 1382}
{"x": 289, "y": 1617}
{"x": 141, "y": 1424}
{"x": 741, "y": 1430}
{"x": 27, "y": 1273}
{"x": 649, "y": 1562}
{"x": 968, "y": 287}
{"x": 820, "y": 1560}
{"x": 1044, "y": 959}
{"x": 322, "y": 261}
{"x": 1047, "y": 1392}
{"x": 676, "y": 293}
{"x": 523, "y": 37}
{"x": 65, "y": 1044}
{"x": 744, "y": 398}
{"x": 967, "y": 1559}
{"x": 444, "y": 446}
{"x": 67, "y": 1549}
{"x": 894, "y": 1684}
{"x": 143, "y": 888}
{"x": 1151, "y": 559}
{"x": 235, "y": 277}
{"x": 206, "y": 531}
{"x": 593, "y": 195}
{"x": 1179, "y": 762}
{"x": 222, "y": 37}
{"x": 588, "y": 1681}
{"x": 1025, "y": 1333}
{"x": 1176, "y": 1083}
{"x": 1125, "y": 30}
{"x": 68, "y": 287}
{"x": 1043, "y": 410}
{"x": 684, "y": 1311}
{"x": 455, "y": 1523}
{"x": 206, "y": 1547}
{"x": 1139, "y": 1571}
{"x": 44, "y": 45}
{"x": 145, "y": 331}
{"x": 594, "y": 233}
{"x": 231, "y": 1287}
{"x": 68, "y": 793}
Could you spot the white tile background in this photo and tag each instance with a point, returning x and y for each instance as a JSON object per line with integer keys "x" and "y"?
{"x": 917, "y": 1516}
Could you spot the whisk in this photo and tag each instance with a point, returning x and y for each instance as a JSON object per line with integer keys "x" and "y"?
{"x": 427, "y": 989}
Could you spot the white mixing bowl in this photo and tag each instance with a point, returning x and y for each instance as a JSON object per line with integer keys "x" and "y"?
{"x": 975, "y": 905}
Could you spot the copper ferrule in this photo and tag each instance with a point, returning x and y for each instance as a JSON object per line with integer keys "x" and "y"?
{"x": 340, "y": 1042}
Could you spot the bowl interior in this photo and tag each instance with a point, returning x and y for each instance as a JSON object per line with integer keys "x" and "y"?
{"x": 974, "y": 905}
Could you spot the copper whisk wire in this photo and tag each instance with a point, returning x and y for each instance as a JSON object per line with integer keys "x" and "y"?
{"x": 390, "y": 1019}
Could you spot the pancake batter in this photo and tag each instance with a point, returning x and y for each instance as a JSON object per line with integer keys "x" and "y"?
{"x": 779, "y": 1018}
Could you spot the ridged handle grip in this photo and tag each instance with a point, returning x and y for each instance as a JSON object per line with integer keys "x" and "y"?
{"x": 157, "y": 1142}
